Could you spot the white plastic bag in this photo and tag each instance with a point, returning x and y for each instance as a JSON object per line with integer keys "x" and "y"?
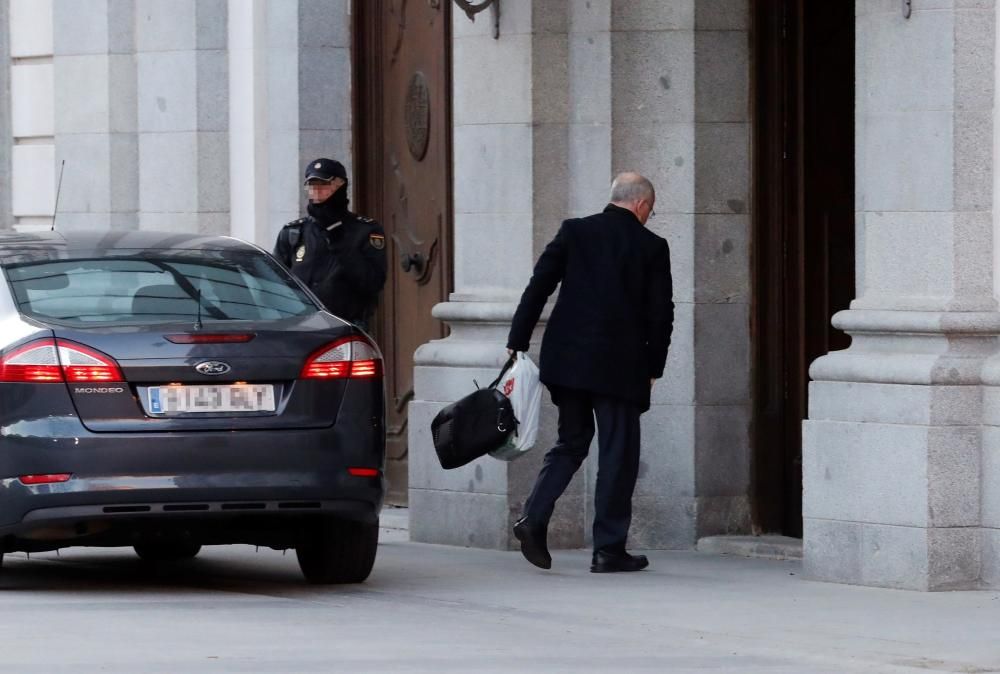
{"x": 522, "y": 386}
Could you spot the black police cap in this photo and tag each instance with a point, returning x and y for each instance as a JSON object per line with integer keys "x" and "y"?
{"x": 325, "y": 169}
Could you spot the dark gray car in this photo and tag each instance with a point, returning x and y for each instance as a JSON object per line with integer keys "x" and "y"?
{"x": 168, "y": 391}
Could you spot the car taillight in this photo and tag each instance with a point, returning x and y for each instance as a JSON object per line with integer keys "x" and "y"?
{"x": 348, "y": 358}
{"x": 34, "y": 362}
{"x": 82, "y": 364}
{"x": 51, "y": 360}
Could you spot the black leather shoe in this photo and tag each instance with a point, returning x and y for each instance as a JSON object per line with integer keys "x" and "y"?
{"x": 606, "y": 562}
{"x": 533, "y": 545}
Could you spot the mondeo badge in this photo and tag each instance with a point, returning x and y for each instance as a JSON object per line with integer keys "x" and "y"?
{"x": 213, "y": 367}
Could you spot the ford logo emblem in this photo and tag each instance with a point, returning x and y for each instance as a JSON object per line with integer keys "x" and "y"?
{"x": 213, "y": 367}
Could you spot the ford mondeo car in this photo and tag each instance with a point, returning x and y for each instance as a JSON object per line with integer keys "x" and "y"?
{"x": 169, "y": 391}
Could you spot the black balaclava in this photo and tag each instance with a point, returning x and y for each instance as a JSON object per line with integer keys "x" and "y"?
{"x": 332, "y": 210}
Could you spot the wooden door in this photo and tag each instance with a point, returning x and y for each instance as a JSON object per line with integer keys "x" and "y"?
{"x": 803, "y": 229}
{"x": 402, "y": 122}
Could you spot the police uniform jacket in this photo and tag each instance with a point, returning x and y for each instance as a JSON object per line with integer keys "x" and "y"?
{"x": 611, "y": 325}
{"x": 343, "y": 263}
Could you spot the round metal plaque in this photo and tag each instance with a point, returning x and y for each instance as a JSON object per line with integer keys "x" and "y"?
{"x": 418, "y": 115}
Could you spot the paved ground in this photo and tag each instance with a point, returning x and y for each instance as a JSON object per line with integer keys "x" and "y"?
{"x": 439, "y": 609}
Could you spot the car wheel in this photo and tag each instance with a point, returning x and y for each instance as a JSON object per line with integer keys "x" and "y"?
{"x": 166, "y": 552}
{"x": 341, "y": 551}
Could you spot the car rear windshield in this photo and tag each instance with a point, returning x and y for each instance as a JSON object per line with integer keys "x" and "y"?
{"x": 157, "y": 287}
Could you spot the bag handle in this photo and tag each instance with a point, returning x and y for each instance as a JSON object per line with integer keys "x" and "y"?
{"x": 507, "y": 366}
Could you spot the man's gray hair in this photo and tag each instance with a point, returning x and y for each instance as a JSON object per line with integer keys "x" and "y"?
{"x": 629, "y": 187}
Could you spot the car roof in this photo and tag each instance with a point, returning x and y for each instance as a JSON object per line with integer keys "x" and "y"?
{"x": 61, "y": 245}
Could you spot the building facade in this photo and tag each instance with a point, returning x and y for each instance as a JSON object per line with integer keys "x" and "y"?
{"x": 825, "y": 178}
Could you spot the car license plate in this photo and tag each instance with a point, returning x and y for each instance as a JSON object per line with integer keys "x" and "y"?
{"x": 222, "y": 398}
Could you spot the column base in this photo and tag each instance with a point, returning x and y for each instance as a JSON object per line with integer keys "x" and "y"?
{"x": 884, "y": 555}
{"x": 893, "y": 452}
{"x": 477, "y": 504}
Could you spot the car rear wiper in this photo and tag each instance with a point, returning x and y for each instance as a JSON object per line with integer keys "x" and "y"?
{"x": 194, "y": 293}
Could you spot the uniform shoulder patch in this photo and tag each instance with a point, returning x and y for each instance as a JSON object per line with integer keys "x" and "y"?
{"x": 296, "y": 222}
{"x": 377, "y": 241}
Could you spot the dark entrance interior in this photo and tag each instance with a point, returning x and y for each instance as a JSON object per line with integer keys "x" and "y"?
{"x": 803, "y": 229}
{"x": 402, "y": 168}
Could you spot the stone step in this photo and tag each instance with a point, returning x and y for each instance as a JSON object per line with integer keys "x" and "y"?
{"x": 763, "y": 547}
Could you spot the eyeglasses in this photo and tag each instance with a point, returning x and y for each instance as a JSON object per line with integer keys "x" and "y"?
{"x": 317, "y": 186}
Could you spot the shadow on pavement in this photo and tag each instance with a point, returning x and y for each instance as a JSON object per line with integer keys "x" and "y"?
{"x": 119, "y": 570}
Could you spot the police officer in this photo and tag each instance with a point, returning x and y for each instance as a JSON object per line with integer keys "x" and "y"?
{"x": 340, "y": 255}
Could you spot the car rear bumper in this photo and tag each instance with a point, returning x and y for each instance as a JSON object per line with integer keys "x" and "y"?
{"x": 277, "y": 524}
{"x": 192, "y": 481}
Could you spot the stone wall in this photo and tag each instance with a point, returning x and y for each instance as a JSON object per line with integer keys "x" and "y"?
{"x": 6, "y": 135}
{"x": 289, "y": 102}
{"x": 182, "y": 115}
{"x": 324, "y": 84}
{"x": 164, "y": 124}
{"x": 95, "y": 120}
{"x": 142, "y": 114}
{"x": 31, "y": 115}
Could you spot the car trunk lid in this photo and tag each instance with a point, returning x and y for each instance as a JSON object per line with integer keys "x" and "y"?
{"x": 235, "y": 375}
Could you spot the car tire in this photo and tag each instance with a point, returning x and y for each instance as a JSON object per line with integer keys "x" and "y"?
{"x": 342, "y": 551}
{"x": 166, "y": 552}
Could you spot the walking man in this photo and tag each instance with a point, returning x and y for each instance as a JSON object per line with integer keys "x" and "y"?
{"x": 340, "y": 255}
{"x": 604, "y": 346}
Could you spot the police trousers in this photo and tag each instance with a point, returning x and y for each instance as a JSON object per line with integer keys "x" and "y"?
{"x": 617, "y": 469}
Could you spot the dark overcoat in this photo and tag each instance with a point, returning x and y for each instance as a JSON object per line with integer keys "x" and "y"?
{"x": 610, "y": 328}
{"x": 344, "y": 264}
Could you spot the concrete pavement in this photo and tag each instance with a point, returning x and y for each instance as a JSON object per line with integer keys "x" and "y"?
{"x": 431, "y": 608}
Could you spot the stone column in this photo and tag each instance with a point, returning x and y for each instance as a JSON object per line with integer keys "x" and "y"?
{"x": 680, "y": 115}
{"x": 284, "y": 182}
{"x": 510, "y": 164}
{"x": 95, "y": 113}
{"x": 290, "y": 101}
{"x": 589, "y": 89}
{"x": 896, "y": 462}
{"x": 182, "y": 115}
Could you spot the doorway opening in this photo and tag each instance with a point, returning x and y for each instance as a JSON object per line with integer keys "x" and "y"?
{"x": 803, "y": 225}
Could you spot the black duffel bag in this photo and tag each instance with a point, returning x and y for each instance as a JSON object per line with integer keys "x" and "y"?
{"x": 473, "y": 426}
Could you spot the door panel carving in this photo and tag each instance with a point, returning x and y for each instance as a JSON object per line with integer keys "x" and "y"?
{"x": 418, "y": 111}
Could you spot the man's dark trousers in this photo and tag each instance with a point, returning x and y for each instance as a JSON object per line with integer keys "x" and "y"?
{"x": 618, "y": 463}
